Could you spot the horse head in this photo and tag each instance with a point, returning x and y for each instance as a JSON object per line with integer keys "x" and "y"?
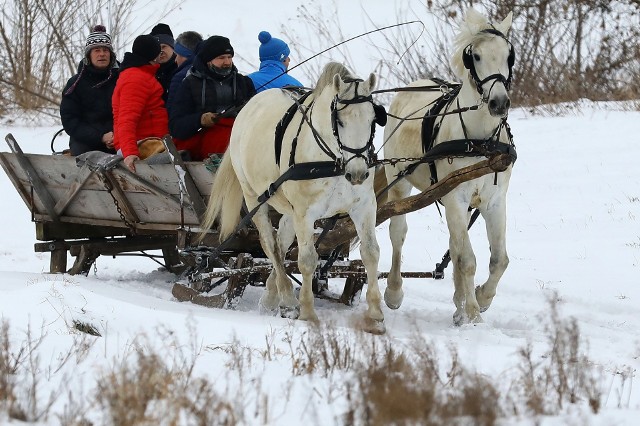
{"x": 353, "y": 124}
{"x": 485, "y": 57}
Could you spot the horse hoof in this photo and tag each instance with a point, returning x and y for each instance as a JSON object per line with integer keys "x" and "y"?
{"x": 290, "y": 312}
{"x": 460, "y": 318}
{"x": 393, "y": 298}
{"x": 268, "y": 306}
{"x": 374, "y": 326}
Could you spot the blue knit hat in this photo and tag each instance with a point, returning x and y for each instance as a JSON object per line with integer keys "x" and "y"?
{"x": 272, "y": 48}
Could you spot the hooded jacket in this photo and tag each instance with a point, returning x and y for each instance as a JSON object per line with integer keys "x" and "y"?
{"x": 272, "y": 74}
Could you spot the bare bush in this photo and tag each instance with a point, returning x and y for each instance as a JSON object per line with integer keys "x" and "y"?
{"x": 43, "y": 40}
{"x": 565, "y": 49}
{"x": 564, "y": 375}
{"x": 146, "y": 389}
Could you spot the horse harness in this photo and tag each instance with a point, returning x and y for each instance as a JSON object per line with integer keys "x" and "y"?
{"x": 319, "y": 169}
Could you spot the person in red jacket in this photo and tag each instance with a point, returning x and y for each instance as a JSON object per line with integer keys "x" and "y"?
{"x": 138, "y": 109}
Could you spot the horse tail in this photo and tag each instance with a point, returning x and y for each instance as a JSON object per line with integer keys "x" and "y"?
{"x": 225, "y": 202}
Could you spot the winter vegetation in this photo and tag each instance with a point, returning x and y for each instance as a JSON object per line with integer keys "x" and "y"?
{"x": 559, "y": 346}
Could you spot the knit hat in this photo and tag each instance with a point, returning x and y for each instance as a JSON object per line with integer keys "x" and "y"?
{"x": 272, "y": 48}
{"x": 98, "y": 38}
{"x": 146, "y": 46}
{"x": 213, "y": 47}
{"x": 163, "y": 33}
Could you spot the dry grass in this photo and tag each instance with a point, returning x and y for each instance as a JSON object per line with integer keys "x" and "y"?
{"x": 382, "y": 381}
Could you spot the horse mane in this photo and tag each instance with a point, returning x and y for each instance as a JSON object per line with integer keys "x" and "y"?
{"x": 327, "y": 74}
{"x": 469, "y": 33}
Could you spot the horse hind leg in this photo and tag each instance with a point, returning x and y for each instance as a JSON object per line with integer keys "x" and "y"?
{"x": 496, "y": 233}
{"x": 393, "y": 294}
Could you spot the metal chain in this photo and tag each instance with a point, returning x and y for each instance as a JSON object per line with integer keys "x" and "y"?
{"x": 128, "y": 224}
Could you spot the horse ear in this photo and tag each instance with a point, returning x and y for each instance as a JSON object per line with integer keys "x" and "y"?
{"x": 505, "y": 25}
{"x": 337, "y": 81}
{"x": 372, "y": 80}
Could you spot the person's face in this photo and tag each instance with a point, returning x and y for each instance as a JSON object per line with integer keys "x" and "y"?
{"x": 180, "y": 59}
{"x": 286, "y": 62}
{"x": 222, "y": 61}
{"x": 166, "y": 52}
{"x": 100, "y": 57}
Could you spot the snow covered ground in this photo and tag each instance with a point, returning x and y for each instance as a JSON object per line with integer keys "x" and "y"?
{"x": 573, "y": 235}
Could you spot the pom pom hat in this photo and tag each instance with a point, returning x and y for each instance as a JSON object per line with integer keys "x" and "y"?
{"x": 98, "y": 38}
{"x": 146, "y": 47}
{"x": 272, "y": 48}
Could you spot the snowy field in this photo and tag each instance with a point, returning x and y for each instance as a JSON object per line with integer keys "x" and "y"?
{"x": 573, "y": 235}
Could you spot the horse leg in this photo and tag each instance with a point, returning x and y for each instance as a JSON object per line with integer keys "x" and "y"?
{"x": 393, "y": 294}
{"x": 464, "y": 265}
{"x": 279, "y": 289}
{"x": 307, "y": 262}
{"x": 495, "y": 219}
{"x": 370, "y": 254}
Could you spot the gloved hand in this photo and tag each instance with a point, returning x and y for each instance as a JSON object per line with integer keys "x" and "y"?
{"x": 208, "y": 119}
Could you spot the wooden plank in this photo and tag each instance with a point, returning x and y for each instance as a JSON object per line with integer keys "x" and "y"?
{"x": 74, "y": 189}
{"x": 13, "y": 177}
{"x": 140, "y": 227}
{"x": 34, "y": 178}
{"x": 184, "y": 177}
{"x": 130, "y": 176}
{"x": 47, "y": 231}
{"x": 123, "y": 202}
{"x": 115, "y": 246}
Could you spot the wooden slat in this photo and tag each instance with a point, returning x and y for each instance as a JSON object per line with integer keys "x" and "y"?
{"x": 74, "y": 189}
{"x": 34, "y": 178}
{"x": 189, "y": 185}
{"x": 8, "y": 168}
{"x": 123, "y": 202}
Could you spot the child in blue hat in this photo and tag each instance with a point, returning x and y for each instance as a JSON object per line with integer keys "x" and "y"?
{"x": 274, "y": 61}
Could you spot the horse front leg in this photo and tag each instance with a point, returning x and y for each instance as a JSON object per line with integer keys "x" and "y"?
{"x": 464, "y": 265}
{"x": 279, "y": 290}
{"x": 393, "y": 294}
{"x": 495, "y": 219}
{"x": 365, "y": 220}
{"x": 307, "y": 262}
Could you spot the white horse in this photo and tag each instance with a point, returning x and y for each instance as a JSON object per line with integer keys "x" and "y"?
{"x": 483, "y": 60}
{"x": 330, "y": 134}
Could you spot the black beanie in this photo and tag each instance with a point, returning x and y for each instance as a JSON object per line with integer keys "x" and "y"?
{"x": 164, "y": 34}
{"x": 146, "y": 46}
{"x": 213, "y": 47}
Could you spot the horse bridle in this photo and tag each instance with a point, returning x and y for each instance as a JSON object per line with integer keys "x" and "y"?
{"x": 467, "y": 60}
{"x": 367, "y": 152}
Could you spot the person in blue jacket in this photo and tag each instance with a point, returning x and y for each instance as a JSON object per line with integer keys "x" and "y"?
{"x": 185, "y": 48}
{"x": 274, "y": 61}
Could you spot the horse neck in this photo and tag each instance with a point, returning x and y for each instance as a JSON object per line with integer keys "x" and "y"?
{"x": 479, "y": 123}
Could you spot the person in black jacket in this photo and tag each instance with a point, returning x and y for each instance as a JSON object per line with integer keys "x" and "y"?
{"x": 208, "y": 100}
{"x": 167, "y": 59}
{"x": 85, "y": 109}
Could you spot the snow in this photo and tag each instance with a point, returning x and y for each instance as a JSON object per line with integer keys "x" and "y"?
{"x": 573, "y": 235}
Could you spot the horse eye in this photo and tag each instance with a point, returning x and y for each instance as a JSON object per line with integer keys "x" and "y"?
{"x": 476, "y": 57}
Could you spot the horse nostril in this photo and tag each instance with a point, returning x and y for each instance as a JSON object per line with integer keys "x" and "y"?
{"x": 348, "y": 176}
{"x": 366, "y": 175}
{"x": 507, "y": 104}
{"x": 492, "y": 104}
